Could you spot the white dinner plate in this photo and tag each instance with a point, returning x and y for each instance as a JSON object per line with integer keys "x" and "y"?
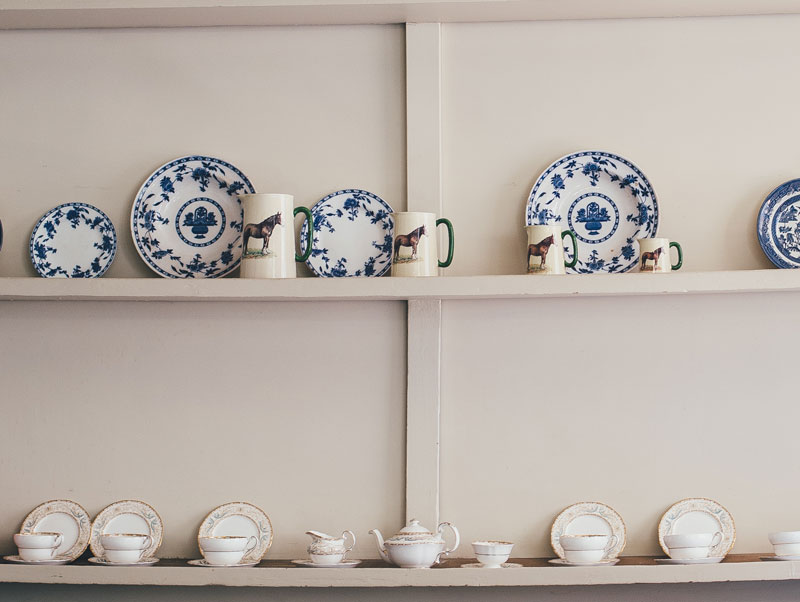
{"x": 588, "y": 518}
{"x": 698, "y": 515}
{"x": 239, "y": 518}
{"x": 127, "y": 516}
{"x": 65, "y": 517}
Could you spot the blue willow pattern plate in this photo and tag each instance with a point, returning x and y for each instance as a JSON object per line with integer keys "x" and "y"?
{"x": 605, "y": 200}
{"x": 73, "y": 240}
{"x": 186, "y": 220}
{"x": 778, "y": 225}
{"x": 352, "y": 235}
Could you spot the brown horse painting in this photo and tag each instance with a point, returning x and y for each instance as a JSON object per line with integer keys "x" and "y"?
{"x": 260, "y": 230}
{"x": 652, "y": 255}
{"x": 408, "y": 240}
{"x": 540, "y": 249}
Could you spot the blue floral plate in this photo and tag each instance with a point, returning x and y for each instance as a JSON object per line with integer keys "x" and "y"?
{"x": 605, "y": 200}
{"x": 186, "y": 220}
{"x": 73, "y": 240}
{"x": 352, "y": 235}
{"x": 778, "y": 225}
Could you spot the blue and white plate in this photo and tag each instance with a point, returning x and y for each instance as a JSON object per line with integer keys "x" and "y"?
{"x": 186, "y": 220}
{"x": 73, "y": 240}
{"x": 605, "y": 200}
{"x": 352, "y": 235}
{"x": 778, "y": 225}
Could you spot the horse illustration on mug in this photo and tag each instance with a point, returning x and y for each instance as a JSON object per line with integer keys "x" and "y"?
{"x": 654, "y": 256}
{"x": 540, "y": 249}
{"x": 261, "y": 230}
{"x": 408, "y": 240}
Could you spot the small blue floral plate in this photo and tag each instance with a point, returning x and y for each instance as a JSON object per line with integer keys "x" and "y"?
{"x": 352, "y": 235}
{"x": 186, "y": 221}
{"x": 778, "y": 225}
{"x": 605, "y": 200}
{"x": 73, "y": 240}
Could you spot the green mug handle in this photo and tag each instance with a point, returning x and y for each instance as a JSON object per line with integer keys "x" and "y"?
{"x": 310, "y": 234}
{"x": 678, "y": 265}
{"x": 571, "y": 234}
{"x": 450, "y": 239}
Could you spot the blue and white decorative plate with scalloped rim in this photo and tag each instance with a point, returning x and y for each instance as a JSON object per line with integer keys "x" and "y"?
{"x": 352, "y": 235}
{"x": 186, "y": 221}
{"x": 73, "y": 240}
{"x": 778, "y": 225}
{"x": 605, "y": 200}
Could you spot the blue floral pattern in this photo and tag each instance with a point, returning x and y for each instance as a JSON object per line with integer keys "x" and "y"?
{"x": 204, "y": 191}
{"x": 602, "y": 197}
{"x": 778, "y": 225}
{"x": 73, "y": 240}
{"x": 352, "y": 235}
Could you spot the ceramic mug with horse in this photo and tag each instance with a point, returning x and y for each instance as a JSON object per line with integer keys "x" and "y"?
{"x": 654, "y": 255}
{"x": 268, "y": 249}
{"x": 414, "y": 249}
{"x": 546, "y": 250}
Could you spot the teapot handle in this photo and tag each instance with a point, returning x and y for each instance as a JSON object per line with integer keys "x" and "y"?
{"x": 448, "y": 551}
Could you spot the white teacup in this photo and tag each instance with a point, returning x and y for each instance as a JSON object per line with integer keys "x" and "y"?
{"x": 689, "y": 553}
{"x": 692, "y": 540}
{"x": 123, "y": 556}
{"x": 125, "y": 541}
{"x": 223, "y": 558}
{"x": 227, "y": 543}
{"x": 333, "y": 558}
{"x": 785, "y": 543}
{"x": 38, "y": 540}
{"x": 584, "y": 555}
{"x": 492, "y": 554}
{"x": 588, "y": 542}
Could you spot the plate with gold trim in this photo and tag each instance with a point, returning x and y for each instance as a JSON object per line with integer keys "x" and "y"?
{"x": 61, "y": 516}
{"x": 698, "y": 515}
{"x": 56, "y": 560}
{"x": 127, "y": 516}
{"x": 588, "y": 518}
{"x": 239, "y": 518}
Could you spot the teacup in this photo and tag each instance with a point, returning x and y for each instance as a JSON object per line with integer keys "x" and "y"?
{"x": 492, "y": 554}
{"x": 125, "y": 541}
{"x": 123, "y": 556}
{"x": 38, "y": 546}
{"x": 227, "y": 543}
{"x": 785, "y": 543}
{"x": 223, "y": 558}
{"x": 332, "y": 558}
{"x": 692, "y": 540}
{"x": 692, "y": 553}
{"x": 587, "y": 548}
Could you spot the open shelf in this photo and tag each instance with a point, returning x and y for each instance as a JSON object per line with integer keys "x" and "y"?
{"x": 387, "y": 289}
{"x": 28, "y": 14}
{"x": 375, "y": 573}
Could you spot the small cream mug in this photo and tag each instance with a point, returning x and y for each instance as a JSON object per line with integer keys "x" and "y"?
{"x": 654, "y": 255}
{"x": 545, "y": 254}
{"x": 414, "y": 249}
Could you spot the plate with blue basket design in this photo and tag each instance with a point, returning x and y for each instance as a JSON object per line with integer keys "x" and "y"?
{"x": 605, "y": 200}
{"x": 778, "y": 225}
{"x": 186, "y": 221}
{"x": 73, "y": 240}
{"x": 352, "y": 235}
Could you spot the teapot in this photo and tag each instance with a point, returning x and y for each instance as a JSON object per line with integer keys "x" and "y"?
{"x": 414, "y": 547}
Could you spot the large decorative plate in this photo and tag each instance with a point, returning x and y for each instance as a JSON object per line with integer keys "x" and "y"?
{"x": 352, "y": 235}
{"x": 186, "y": 220}
{"x": 65, "y": 517}
{"x": 698, "y": 515}
{"x": 73, "y": 240}
{"x": 605, "y": 200}
{"x": 588, "y": 518}
{"x": 127, "y": 516}
{"x": 239, "y": 518}
{"x": 778, "y": 225}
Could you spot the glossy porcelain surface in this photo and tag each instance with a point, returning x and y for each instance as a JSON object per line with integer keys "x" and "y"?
{"x": 545, "y": 251}
{"x": 125, "y": 541}
{"x": 61, "y": 516}
{"x": 414, "y": 546}
{"x": 332, "y": 558}
{"x": 698, "y": 515}
{"x": 691, "y": 540}
{"x": 492, "y": 547}
{"x": 144, "y": 561}
{"x": 38, "y": 540}
{"x": 786, "y": 549}
{"x": 345, "y": 564}
{"x": 415, "y": 250}
{"x": 586, "y": 542}
{"x": 127, "y": 516}
{"x": 56, "y": 560}
{"x": 588, "y": 518}
{"x": 709, "y": 560}
{"x": 323, "y": 544}
{"x": 782, "y": 537}
{"x": 226, "y": 543}
{"x": 689, "y": 553}
{"x": 778, "y": 225}
{"x": 29, "y": 554}
{"x": 240, "y": 519}
{"x": 268, "y": 247}
{"x": 565, "y": 562}
{"x": 123, "y": 556}
{"x": 223, "y": 558}
{"x": 205, "y": 563}
{"x": 491, "y": 560}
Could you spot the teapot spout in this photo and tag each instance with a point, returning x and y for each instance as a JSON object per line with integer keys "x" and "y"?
{"x": 381, "y": 547}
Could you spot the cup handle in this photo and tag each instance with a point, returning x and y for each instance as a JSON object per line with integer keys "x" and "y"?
{"x": 450, "y": 241}
{"x": 612, "y": 541}
{"x": 353, "y": 537}
{"x": 250, "y": 547}
{"x": 678, "y": 265}
{"x": 448, "y": 551}
{"x": 571, "y": 234}
{"x": 54, "y": 549}
{"x": 309, "y": 233}
{"x": 716, "y": 540}
{"x": 148, "y": 540}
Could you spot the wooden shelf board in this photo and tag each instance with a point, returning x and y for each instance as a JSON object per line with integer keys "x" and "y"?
{"x": 375, "y": 573}
{"x": 387, "y": 289}
{"x": 38, "y": 14}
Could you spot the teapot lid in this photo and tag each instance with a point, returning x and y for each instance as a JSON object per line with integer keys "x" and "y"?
{"x": 414, "y": 532}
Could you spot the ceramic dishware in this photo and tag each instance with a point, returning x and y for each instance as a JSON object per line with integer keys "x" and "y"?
{"x": 587, "y": 548}
{"x": 268, "y": 236}
{"x": 329, "y": 550}
{"x": 654, "y": 255}
{"x": 414, "y": 546}
{"x": 38, "y": 546}
{"x": 691, "y": 553}
{"x": 123, "y": 556}
{"x": 52, "y": 561}
{"x": 785, "y": 543}
{"x": 132, "y": 518}
{"x": 604, "y": 199}
{"x": 344, "y": 564}
{"x": 143, "y": 561}
{"x": 223, "y": 558}
{"x": 226, "y": 550}
{"x": 242, "y": 520}
{"x": 545, "y": 252}
{"x": 587, "y": 519}
{"x": 708, "y": 560}
{"x": 206, "y": 563}
{"x": 695, "y": 516}
{"x": 414, "y": 248}
{"x": 565, "y": 562}
{"x": 492, "y": 554}
{"x": 66, "y": 517}
{"x": 778, "y": 225}
{"x": 125, "y": 548}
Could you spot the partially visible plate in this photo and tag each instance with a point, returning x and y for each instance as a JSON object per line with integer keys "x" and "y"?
{"x": 352, "y": 235}
{"x": 204, "y": 562}
{"x": 73, "y": 240}
{"x": 778, "y": 225}
{"x": 605, "y": 200}
{"x": 65, "y": 517}
{"x": 56, "y": 560}
{"x": 127, "y": 516}
{"x": 698, "y": 515}
{"x": 588, "y": 518}
{"x": 604, "y": 562}
{"x": 186, "y": 221}
{"x": 344, "y": 564}
{"x": 478, "y": 565}
{"x": 239, "y": 518}
{"x": 146, "y": 561}
{"x": 709, "y": 560}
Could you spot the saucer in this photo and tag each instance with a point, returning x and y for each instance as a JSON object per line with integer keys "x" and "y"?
{"x": 563, "y": 562}
{"x": 56, "y": 560}
{"x": 143, "y": 562}
{"x": 786, "y": 557}
{"x": 478, "y": 565}
{"x": 344, "y": 564}
{"x": 204, "y": 562}
{"x": 709, "y": 560}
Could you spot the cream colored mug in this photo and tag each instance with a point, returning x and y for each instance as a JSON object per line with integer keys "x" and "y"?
{"x": 268, "y": 236}
{"x": 414, "y": 249}
{"x": 546, "y": 250}
{"x": 654, "y": 255}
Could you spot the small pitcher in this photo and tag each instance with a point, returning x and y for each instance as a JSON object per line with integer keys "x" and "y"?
{"x": 326, "y": 549}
